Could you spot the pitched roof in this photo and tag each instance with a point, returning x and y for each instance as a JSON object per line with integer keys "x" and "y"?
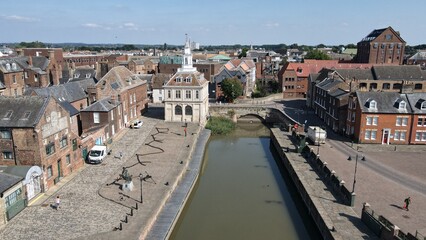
{"x": 386, "y": 102}
{"x": 7, "y": 181}
{"x": 377, "y": 32}
{"x": 22, "y": 111}
{"x": 416, "y": 100}
{"x": 159, "y": 80}
{"x": 120, "y": 78}
{"x": 9, "y": 65}
{"x": 399, "y": 72}
{"x": 196, "y": 79}
{"x": 71, "y": 92}
{"x": 103, "y": 105}
{"x": 314, "y": 66}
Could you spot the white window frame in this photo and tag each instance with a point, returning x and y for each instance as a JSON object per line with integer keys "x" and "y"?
{"x": 96, "y": 118}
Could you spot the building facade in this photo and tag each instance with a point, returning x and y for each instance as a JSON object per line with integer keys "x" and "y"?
{"x": 186, "y": 93}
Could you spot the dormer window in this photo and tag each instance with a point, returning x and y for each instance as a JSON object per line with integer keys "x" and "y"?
{"x": 402, "y": 105}
{"x": 423, "y": 106}
{"x": 299, "y": 70}
{"x": 76, "y": 75}
{"x": 372, "y": 104}
{"x": 188, "y": 79}
{"x": 88, "y": 75}
{"x": 178, "y": 79}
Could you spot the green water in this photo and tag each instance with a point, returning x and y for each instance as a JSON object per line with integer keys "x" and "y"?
{"x": 241, "y": 194}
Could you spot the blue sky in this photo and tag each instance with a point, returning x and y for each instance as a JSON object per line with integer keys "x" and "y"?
{"x": 310, "y": 22}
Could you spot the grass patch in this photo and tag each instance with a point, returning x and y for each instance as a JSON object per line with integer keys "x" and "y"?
{"x": 220, "y": 125}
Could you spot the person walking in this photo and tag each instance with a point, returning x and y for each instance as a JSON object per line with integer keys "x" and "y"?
{"x": 407, "y": 202}
{"x": 184, "y": 131}
{"x": 57, "y": 202}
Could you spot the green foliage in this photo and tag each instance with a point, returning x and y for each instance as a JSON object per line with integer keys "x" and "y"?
{"x": 35, "y": 44}
{"x": 243, "y": 53}
{"x": 232, "y": 89}
{"x": 220, "y": 125}
{"x": 317, "y": 54}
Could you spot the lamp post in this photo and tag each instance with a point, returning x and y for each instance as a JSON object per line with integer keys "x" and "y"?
{"x": 141, "y": 179}
{"x": 356, "y": 165}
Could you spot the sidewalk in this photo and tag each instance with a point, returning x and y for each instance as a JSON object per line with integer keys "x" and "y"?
{"x": 93, "y": 207}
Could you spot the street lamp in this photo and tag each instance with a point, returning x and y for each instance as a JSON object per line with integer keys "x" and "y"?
{"x": 141, "y": 179}
{"x": 356, "y": 165}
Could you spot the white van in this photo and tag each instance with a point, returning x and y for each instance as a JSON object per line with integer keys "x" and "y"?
{"x": 97, "y": 154}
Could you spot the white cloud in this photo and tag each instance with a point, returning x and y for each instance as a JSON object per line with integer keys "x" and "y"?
{"x": 19, "y": 18}
{"x": 95, "y": 25}
{"x": 129, "y": 26}
{"x": 272, "y": 25}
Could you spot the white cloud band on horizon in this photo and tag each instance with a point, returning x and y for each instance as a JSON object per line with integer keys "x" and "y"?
{"x": 19, "y": 18}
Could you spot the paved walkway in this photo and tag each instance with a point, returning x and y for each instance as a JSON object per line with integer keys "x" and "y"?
{"x": 93, "y": 205}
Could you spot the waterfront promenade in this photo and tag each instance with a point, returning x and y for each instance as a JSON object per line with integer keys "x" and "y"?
{"x": 93, "y": 205}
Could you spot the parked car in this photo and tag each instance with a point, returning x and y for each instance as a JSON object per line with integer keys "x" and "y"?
{"x": 97, "y": 154}
{"x": 136, "y": 124}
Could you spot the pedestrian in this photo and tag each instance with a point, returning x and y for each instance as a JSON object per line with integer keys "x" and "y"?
{"x": 121, "y": 155}
{"x": 407, "y": 202}
{"x": 184, "y": 131}
{"x": 57, "y": 202}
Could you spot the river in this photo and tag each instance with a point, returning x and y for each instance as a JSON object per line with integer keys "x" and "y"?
{"x": 243, "y": 194}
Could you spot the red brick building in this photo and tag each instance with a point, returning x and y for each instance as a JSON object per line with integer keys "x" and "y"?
{"x": 387, "y": 117}
{"x": 36, "y": 130}
{"x": 11, "y": 78}
{"x": 381, "y": 46}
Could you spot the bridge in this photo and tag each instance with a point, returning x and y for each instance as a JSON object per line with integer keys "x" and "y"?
{"x": 268, "y": 113}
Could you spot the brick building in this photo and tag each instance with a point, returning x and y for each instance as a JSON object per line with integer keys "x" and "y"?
{"x": 381, "y": 46}
{"x": 117, "y": 99}
{"x": 37, "y": 130}
{"x": 11, "y": 78}
{"x": 387, "y": 117}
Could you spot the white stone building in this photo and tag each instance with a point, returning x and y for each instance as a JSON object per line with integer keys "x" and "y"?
{"x": 186, "y": 93}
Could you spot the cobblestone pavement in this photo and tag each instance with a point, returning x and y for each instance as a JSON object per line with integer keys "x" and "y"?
{"x": 92, "y": 206}
{"x": 384, "y": 179}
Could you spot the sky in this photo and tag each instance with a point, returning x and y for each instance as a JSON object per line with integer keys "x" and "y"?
{"x": 209, "y": 22}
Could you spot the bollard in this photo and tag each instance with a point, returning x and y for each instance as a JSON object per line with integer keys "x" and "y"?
{"x": 136, "y": 206}
{"x": 131, "y": 211}
{"x": 121, "y": 226}
{"x": 126, "y": 220}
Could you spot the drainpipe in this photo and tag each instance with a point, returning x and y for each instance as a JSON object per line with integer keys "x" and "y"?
{"x": 13, "y": 147}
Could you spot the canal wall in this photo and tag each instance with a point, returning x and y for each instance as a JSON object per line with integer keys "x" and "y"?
{"x": 335, "y": 220}
{"x": 169, "y": 215}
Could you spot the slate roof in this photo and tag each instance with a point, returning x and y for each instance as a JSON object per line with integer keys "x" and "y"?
{"x": 359, "y": 74}
{"x": 415, "y": 100}
{"x": 399, "y": 72}
{"x": 9, "y": 65}
{"x": 120, "y": 78}
{"x": 13, "y": 110}
{"x": 83, "y": 73}
{"x": 7, "y": 181}
{"x": 197, "y": 79}
{"x": 373, "y": 35}
{"x": 159, "y": 79}
{"x": 104, "y": 105}
{"x": 71, "y": 92}
{"x": 385, "y": 102}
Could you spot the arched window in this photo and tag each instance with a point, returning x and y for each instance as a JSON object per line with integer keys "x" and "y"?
{"x": 188, "y": 110}
{"x": 178, "y": 110}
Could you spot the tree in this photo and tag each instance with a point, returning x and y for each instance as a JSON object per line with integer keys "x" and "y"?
{"x": 232, "y": 88}
{"x": 243, "y": 53}
{"x": 317, "y": 54}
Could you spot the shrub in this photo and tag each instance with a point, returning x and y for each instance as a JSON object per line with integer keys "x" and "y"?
{"x": 220, "y": 125}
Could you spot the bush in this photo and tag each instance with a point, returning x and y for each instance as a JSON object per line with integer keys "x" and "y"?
{"x": 220, "y": 125}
